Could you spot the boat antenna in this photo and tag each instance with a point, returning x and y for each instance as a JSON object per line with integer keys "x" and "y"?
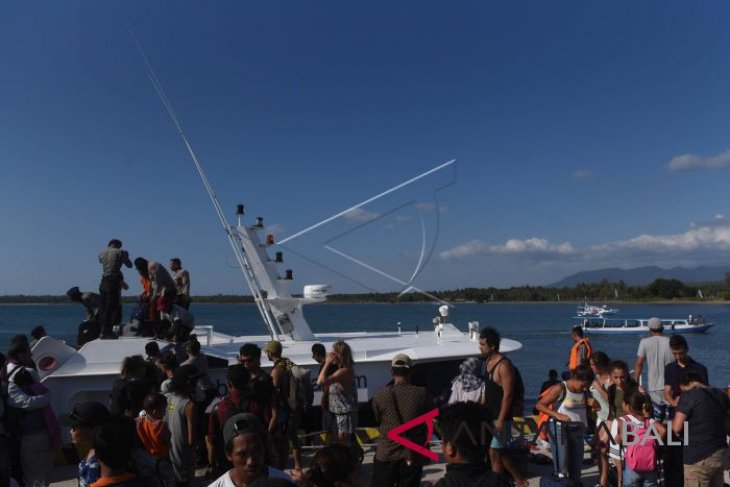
{"x": 233, "y": 238}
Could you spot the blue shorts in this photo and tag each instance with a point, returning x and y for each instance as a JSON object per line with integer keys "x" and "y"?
{"x": 500, "y": 440}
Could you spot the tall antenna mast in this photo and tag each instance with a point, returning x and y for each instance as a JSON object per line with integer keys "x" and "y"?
{"x": 233, "y": 236}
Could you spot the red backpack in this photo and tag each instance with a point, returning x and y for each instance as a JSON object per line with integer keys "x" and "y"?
{"x": 640, "y": 456}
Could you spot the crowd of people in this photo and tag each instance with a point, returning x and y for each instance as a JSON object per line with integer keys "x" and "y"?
{"x": 162, "y": 308}
{"x": 671, "y": 431}
{"x": 163, "y": 420}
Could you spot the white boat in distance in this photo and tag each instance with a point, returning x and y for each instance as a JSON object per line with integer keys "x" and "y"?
{"x": 86, "y": 374}
{"x": 591, "y": 310}
{"x": 613, "y": 326}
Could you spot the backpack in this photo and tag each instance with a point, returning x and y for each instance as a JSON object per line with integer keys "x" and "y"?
{"x": 641, "y": 455}
{"x": 301, "y": 392}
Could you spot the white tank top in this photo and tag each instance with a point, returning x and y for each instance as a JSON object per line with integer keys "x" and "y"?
{"x": 574, "y": 406}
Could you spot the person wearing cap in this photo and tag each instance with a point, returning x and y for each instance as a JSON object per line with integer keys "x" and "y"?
{"x": 394, "y": 405}
{"x": 89, "y": 300}
{"x": 654, "y": 351}
{"x": 181, "y": 418}
{"x": 245, "y": 444}
{"x": 287, "y": 437}
{"x": 82, "y": 420}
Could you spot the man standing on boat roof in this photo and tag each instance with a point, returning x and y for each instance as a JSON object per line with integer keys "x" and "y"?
{"x": 655, "y": 352}
{"x": 182, "y": 283}
{"x": 110, "y": 288}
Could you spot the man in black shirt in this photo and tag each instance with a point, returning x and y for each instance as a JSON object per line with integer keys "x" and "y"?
{"x": 679, "y": 347}
{"x": 702, "y": 410}
{"x": 673, "y": 464}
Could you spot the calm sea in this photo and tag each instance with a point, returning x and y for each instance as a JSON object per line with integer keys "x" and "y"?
{"x": 543, "y": 329}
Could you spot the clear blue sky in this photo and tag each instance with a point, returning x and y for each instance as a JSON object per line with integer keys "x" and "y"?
{"x": 586, "y": 134}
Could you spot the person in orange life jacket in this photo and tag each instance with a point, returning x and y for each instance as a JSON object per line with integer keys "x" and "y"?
{"x": 151, "y": 427}
{"x": 638, "y": 411}
{"x": 580, "y": 352}
{"x": 151, "y": 456}
{"x": 500, "y": 392}
{"x": 565, "y": 404}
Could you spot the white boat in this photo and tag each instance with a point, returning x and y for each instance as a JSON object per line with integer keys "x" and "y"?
{"x": 611, "y": 326}
{"x": 592, "y": 310}
{"x": 87, "y": 374}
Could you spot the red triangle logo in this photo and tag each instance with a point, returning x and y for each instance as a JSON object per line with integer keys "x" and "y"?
{"x": 427, "y": 418}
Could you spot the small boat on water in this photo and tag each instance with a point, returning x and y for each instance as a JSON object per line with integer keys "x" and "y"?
{"x": 612, "y": 326}
{"x": 592, "y": 310}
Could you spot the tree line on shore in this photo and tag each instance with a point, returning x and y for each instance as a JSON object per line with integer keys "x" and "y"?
{"x": 658, "y": 290}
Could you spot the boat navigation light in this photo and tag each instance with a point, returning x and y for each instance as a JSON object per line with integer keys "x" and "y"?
{"x": 289, "y": 275}
{"x": 269, "y": 239}
{"x": 239, "y": 214}
{"x": 259, "y": 221}
{"x": 279, "y": 257}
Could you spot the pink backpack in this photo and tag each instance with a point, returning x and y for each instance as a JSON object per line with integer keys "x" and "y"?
{"x": 641, "y": 455}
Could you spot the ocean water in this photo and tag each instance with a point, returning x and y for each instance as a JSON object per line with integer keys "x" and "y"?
{"x": 543, "y": 329}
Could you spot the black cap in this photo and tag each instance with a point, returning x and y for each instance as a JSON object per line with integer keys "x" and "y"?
{"x": 241, "y": 424}
{"x": 86, "y": 414}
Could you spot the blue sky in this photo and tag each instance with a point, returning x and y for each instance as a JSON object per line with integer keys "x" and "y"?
{"x": 586, "y": 135}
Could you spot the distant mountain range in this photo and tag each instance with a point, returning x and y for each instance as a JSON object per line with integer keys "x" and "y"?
{"x": 641, "y": 276}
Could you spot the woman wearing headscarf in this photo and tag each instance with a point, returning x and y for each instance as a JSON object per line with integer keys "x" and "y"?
{"x": 469, "y": 384}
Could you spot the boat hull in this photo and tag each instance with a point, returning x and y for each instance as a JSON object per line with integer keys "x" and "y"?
{"x": 639, "y": 330}
{"x": 88, "y": 374}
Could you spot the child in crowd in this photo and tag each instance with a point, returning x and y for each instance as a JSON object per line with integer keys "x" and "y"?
{"x": 621, "y": 380}
{"x": 638, "y": 419}
{"x": 154, "y": 437}
{"x": 599, "y": 363}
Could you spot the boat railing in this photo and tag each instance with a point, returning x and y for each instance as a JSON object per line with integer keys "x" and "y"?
{"x": 207, "y": 332}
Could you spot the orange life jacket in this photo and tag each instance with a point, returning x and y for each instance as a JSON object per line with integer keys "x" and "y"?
{"x": 575, "y": 353}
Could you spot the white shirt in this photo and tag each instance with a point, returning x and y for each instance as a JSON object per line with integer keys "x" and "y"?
{"x": 226, "y": 481}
